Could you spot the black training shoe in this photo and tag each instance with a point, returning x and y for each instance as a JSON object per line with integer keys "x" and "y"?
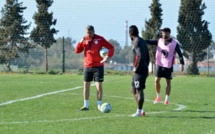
{"x": 84, "y": 108}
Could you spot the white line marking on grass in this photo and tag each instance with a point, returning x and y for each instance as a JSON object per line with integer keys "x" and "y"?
{"x": 180, "y": 107}
{"x": 71, "y": 120}
{"x": 61, "y": 120}
{"x": 41, "y": 95}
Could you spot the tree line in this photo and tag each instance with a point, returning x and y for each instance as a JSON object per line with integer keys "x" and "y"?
{"x": 35, "y": 58}
{"x": 16, "y": 48}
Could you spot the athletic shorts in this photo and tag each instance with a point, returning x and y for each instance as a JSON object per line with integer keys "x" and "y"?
{"x": 164, "y": 72}
{"x": 94, "y": 73}
{"x": 138, "y": 81}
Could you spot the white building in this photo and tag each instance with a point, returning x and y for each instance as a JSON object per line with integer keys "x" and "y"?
{"x": 4, "y": 68}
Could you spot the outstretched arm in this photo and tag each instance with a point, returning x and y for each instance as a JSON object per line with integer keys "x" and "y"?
{"x": 151, "y": 42}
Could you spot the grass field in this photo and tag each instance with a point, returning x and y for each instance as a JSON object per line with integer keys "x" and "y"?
{"x": 49, "y": 104}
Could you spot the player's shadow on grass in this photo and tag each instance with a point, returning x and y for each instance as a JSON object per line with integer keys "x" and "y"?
{"x": 191, "y": 117}
{"x": 197, "y": 111}
{"x": 186, "y": 117}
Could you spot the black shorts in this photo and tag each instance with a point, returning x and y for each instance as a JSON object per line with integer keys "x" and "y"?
{"x": 164, "y": 72}
{"x": 94, "y": 73}
{"x": 139, "y": 81}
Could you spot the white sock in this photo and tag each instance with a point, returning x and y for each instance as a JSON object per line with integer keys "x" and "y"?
{"x": 167, "y": 98}
{"x": 158, "y": 95}
{"x": 139, "y": 111}
{"x": 86, "y": 103}
{"x": 99, "y": 103}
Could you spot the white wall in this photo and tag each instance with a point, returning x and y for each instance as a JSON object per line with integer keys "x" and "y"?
{"x": 176, "y": 68}
{"x": 4, "y": 68}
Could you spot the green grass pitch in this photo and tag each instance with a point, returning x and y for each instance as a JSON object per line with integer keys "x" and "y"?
{"x": 49, "y": 104}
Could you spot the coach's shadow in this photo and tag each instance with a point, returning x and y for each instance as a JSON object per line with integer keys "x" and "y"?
{"x": 193, "y": 117}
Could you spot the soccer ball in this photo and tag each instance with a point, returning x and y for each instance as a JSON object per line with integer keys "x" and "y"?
{"x": 105, "y": 108}
{"x": 103, "y": 52}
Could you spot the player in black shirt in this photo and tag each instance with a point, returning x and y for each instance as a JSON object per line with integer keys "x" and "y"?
{"x": 141, "y": 62}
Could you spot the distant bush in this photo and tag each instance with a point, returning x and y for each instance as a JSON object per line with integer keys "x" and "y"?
{"x": 192, "y": 70}
{"x": 40, "y": 72}
{"x": 54, "y": 72}
{"x": 80, "y": 71}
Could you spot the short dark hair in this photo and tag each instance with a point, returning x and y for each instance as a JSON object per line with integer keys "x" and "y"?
{"x": 166, "y": 29}
{"x": 133, "y": 30}
{"x": 90, "y": 27}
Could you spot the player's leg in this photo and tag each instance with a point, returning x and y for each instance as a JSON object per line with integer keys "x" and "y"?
{"x": 99, "y": 78}
{"x": 86, "y": 95}
{"x": 133, "y": 90}
{"x": 99, "y": 94}
{"x": 168, "y": 90}
{"x": 139, "y": 85}
{"x": 169, "y": 73}
{"x": 157, "y": 86}
{"x": 168, "y": 86}
{"x": 158, "y": 76}
{"x": 88, "y": 77}
{"x": 140, "y": 98}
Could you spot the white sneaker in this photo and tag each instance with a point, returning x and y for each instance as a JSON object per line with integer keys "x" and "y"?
{"x": 138, "y": 114}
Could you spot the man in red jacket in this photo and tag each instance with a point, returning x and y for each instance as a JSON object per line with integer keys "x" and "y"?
{"x": 93, "y": 63}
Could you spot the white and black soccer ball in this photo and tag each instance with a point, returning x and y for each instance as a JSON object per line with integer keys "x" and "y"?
{"x": 106, "y": 108}
{"x": 103, "y": 52}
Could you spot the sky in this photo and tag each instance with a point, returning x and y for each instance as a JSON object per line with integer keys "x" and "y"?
{"x": 108, "y": 16}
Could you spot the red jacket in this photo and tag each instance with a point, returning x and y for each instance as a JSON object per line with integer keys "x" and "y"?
{"x": 91, "y": 48}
